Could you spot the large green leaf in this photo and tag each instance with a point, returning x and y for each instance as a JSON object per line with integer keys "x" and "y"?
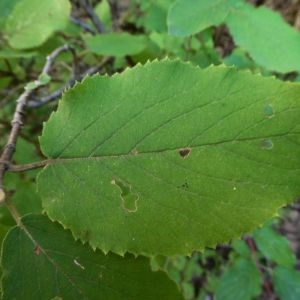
{"x": 42, "y": 261}
{"x": 167, "y": 158}
{"x": 187, "y": 17}
{"x": 270, "y": 41}
{"x": 32, "y": 22}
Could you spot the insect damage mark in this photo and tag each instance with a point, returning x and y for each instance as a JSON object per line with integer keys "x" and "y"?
{"x": 78, "y": 264}
{"x": 184, "y": 152}
{"x": 128, "y": 196}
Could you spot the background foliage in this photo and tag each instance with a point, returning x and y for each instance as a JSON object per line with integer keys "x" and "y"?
{"x": 40, "y": 259}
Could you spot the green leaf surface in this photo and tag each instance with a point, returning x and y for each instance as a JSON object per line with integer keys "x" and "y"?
{"x": 116, "y": 44}
{"x": 287, "y": 283}
{"x": 167, "y": 158}
{"x": 43, "y": 261}
{"x": 187, "y": 17}
{"x": 274, "y": 246}
{"x": 240, "y": 282}
{"x": 32, "y": 22}
{"x": 270, "y": 41}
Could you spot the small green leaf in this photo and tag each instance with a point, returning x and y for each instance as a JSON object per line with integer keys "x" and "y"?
{"x": 168, "y": 158}
{"x": 274, "y": 246}
{"x": 103, "y": 12}
{"x": 116, "y": 44}
{"x": 270, "y": 41}
{"x": 32, "y": 22}
{"x": 287, "y": 283}
{"x": 187, "y": 17}
{"x": 240, "y": 282}
{"x": 44, "y": 79}
{"x": 32, "y": 85}
{"x": 44, "y": 262}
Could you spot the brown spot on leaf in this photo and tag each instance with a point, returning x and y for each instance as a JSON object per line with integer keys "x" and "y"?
{"x": 184, "y": 153}
{"x": 37, "y": 250}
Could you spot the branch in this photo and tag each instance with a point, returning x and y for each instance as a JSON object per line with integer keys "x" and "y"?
{"x": 35, "y": 103}
{"x": 267, "y": 286}
{"x": 17, "y": 121}
{"x": 115, "y": 13}
{"x": 83, "y": 25}
{"x": 26, "y": 167}
{"x": 92, "y": 15}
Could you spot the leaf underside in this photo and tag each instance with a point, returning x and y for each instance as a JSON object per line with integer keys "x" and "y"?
{"x": 167, "y": 158}
{"x": 46, "y": 263}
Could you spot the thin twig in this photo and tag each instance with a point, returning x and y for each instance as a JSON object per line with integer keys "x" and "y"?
{"x": 114, "y": 9}
{"x": 26, "y": 167}
{"x": 253, "y": 249}
{"x": 83, "y": 25}
{"x": 35, "y": 103}
{"x": 92, "y": 15}
{"x": 17, "y": 121}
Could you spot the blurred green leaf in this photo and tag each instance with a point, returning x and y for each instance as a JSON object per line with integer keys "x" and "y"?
{"x": 102, "y": 10}
{"x": 242, "y": 281}
{"x": 187, "y": 17}
{"x": 274, "y": 246}
{"x": 152, "y": 14}
{"x": 6, "y": 7}
{"x": 32, "y": 22}
{"x": 11, "y": 53}
{"x": 21, "y": 187}
{"x": 240, "y": 59}
{"x": 270, "y": 41}
{"x": 287, "y": 283}
{"x": 116, "y": 44}
{"x": 241, "y": 248}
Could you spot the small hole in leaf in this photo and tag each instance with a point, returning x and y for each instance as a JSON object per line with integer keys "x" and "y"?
{"x": 184, "y": 152}
{"x": 269, "y": 111}
{"x": 267, "y": 144}
{"x": 185, "y": 186}
{"x": 128, "y": 196}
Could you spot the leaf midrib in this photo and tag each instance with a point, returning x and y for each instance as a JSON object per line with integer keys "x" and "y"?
{"x": 54, "y": 160}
